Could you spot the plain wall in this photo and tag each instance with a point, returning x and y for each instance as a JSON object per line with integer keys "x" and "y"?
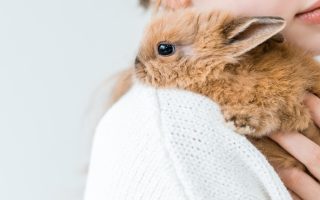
{"x": 53, "y": 56}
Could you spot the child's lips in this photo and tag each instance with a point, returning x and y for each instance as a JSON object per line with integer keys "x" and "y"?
{"x": 311, "y": 15}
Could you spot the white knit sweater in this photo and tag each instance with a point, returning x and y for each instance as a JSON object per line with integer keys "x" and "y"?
{"x": 174, "y": 145}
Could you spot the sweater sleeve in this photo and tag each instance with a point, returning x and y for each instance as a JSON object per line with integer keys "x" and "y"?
{"x": 171, "y": 144}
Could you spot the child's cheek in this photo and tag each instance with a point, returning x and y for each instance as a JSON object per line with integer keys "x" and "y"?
{"x": 283, "y": 8}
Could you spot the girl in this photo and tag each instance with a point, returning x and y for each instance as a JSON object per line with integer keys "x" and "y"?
{"x": 303, "y": 29}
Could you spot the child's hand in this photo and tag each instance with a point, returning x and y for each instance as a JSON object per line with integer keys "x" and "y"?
{"x": 302, "y": 185}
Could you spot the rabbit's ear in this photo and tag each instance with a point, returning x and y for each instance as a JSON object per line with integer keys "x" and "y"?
{"x": 246, "y": 33}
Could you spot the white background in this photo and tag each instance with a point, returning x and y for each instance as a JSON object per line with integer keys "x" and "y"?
{"x": 53, "y": 55}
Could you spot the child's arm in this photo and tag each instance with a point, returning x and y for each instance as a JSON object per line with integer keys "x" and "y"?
{"x": 173, "y": 145}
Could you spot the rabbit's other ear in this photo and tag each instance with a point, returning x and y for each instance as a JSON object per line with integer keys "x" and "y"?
{"x": 244, "y": 34}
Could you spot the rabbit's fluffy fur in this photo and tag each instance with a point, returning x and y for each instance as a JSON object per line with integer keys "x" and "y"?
{"x": 243, "y": 64}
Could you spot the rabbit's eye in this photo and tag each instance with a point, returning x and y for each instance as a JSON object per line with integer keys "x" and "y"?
{"x": 166, "y": 49}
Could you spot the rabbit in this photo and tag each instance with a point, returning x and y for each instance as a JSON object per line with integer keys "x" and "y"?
{"x": 243, "y": 64}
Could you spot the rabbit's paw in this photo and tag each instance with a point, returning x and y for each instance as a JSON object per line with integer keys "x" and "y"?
{"x": 242, "y": 124}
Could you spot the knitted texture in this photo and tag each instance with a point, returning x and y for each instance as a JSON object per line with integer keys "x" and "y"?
{"x": 174, "y": 145}
{"x": 212, "y": 160}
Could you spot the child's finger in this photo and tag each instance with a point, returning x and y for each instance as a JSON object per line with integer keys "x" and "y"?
{"x": 302, "y": 148}
{"x": 300, "y": 183}
{"x": 294, "y": 196}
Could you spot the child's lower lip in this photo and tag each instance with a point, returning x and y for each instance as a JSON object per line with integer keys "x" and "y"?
{"x": 311, "y": 17}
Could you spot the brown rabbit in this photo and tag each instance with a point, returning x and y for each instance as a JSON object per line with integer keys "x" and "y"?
{"x": 243, "y": 64}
